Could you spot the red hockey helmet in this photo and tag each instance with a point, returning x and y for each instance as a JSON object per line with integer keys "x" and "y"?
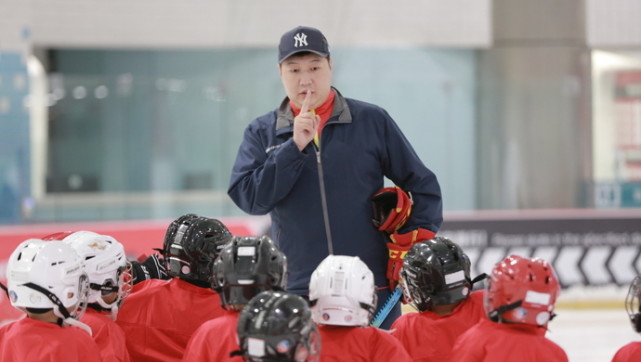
{"x": 392, "y": 207}
{"x": 522, "y": 290}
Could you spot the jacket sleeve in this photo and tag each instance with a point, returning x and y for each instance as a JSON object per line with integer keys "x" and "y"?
{"x": 263, "y": 174}
{"x": 403, "y": 166}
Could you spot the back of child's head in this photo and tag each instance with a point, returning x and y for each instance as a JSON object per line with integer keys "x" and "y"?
{"x": 435, "y": 272}
{"x": 190, "y": 246}
{"x": 342, "y": 292}
{"x": 522, "y": 290}
{"x": 47, "y": 276}
{"x": 278, "y": 326}
{"x": 106, "y": 266}
{"x": 247, "y": 266}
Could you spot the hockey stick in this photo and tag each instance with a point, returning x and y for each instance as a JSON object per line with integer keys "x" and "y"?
{"x": 386, "y": 308}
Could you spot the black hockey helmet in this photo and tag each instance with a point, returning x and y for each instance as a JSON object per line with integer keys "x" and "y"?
{"x": 247, "y": 266}
{"x": 278, "y": 326}
{"x": 191, "y": 244}
{"x": 436, "y": 272}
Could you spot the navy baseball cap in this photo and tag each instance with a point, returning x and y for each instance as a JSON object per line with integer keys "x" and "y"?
{"x": 302, "y": 39}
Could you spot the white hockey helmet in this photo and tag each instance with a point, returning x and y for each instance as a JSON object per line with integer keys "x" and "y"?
{"x": 106, "y": 266}
{"x": 48, "y": 275}
{"x": 342, "y": 292}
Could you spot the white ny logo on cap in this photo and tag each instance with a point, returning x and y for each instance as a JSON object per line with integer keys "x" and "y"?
{"x": 300, "y": 39}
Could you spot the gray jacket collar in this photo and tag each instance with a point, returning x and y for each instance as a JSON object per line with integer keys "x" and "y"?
{"x": 285, "y": 116}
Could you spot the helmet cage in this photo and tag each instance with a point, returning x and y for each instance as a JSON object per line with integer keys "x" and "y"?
{"x": 633, "y": 304}
{"x": 122, "y": 287}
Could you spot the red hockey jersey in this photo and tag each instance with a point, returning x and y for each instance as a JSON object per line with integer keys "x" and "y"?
{"x": 491, "y": 341}
{"x": 340, "y": 343}
{"x": 159, "y": 318}
{"x": 428, "y": 336}
{"x": 108, "y": 336}
{"x": 215, "y": 340}
{"x": 29, "y": 339}
{"x": 628, "y": 353}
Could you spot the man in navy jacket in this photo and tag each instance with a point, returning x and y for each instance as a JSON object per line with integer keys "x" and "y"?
{"x": 314, "y": 163}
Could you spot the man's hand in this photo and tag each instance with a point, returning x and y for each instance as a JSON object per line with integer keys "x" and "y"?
{"x": 305, "y": 124}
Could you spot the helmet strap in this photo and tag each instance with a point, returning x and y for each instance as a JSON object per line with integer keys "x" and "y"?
{"x": 198, "y": 283}
{"x": 478, "y": 278}
{"x": 4, "y": 287}
{"x": 104, "y": 288}
{"x": 52, "y": 297}
{"x": 66, "y": 316}
{"x": 496, "y": 314}
{"x": 103, "y": 307}
{"x": 368, "y": 307}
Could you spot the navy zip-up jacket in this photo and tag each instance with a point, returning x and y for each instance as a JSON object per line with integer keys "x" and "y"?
{"x": 360, "y": 144}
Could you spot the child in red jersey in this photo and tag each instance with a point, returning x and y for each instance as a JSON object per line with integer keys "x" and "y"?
{"x": 342, "y": 298}
{"x": 278, "y": 326}
{"x": 46, "y": 280}
{"x": 519, "y": 302}
{"x": 436, "y": 281}
{"x": 245, "y": 267}
{"x": 160, "y": 316}
{"x": 110, "y": 279}
{"x": 632, "y": 351}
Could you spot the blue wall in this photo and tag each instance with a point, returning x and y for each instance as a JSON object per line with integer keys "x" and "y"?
{"x": 14, "y": 137}
{"x": 171, "y": 121}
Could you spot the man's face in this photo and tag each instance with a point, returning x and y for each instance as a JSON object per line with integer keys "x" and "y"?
{"x": 300, "y": 73}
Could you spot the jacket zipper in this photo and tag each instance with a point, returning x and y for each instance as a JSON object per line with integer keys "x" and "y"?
{"x": 321, "y": 180}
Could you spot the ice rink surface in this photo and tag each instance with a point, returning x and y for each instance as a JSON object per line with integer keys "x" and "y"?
{"x": 591, "y": 335}
{"x": 592, "y": 323}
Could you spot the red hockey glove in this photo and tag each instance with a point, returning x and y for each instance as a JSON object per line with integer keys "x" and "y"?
{"x": 412, "y": 237}
{"x": 395, "y": 262}
{"x": 400, "y": 245}
{"x": 392, "y": 207}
